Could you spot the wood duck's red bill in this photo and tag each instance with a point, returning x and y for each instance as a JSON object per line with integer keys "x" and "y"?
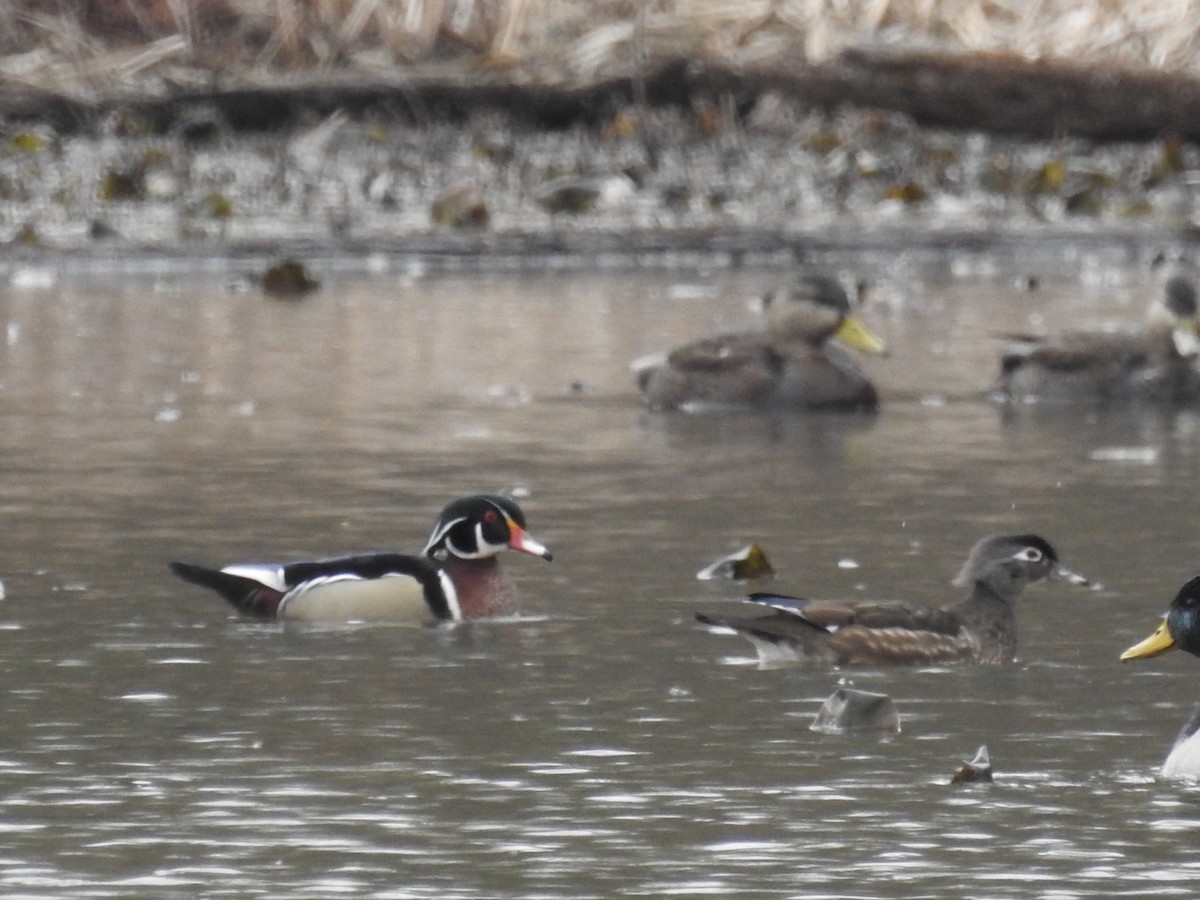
{"x": 520, "y": 539}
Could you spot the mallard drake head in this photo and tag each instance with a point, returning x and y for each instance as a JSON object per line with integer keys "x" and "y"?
{"x": 812, "y": 310}
{"x": 1180, "y": 628}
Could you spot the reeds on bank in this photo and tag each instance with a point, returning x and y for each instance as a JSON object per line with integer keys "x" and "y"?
{"x": 78, "y": 46}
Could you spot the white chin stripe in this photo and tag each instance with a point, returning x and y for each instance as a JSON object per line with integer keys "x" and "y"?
{"x": 484, "y": 549}
{"x": 436, "y": 537}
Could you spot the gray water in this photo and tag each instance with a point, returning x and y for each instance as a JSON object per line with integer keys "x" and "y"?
{"x": 602, "y": 744}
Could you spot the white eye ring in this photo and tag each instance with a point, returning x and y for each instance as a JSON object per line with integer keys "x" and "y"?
{"x": 1030, "y": 554}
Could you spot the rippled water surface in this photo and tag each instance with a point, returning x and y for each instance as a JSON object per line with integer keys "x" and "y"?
{"x": 603, "y": 744}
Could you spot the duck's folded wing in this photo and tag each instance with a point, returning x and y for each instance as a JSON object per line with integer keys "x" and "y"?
{"x": 1076, "y": 351}
{"x": 877, "y": 633}
{"x": 255, "y": 590}
{"x": 856, "y": 645}
{"x": 829, "y": 616}
{"x": 894, "y": 615}
{"x": 727, "y": 353}
{"x": 365, "y": 566}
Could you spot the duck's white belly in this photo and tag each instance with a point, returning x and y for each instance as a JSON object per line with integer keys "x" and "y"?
{"x": 393, "y": 598}
{"x": 1184, "y": 759}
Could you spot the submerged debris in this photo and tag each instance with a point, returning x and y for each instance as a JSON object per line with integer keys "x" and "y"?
{"x": 978, "y": 769}
{"x": 848, "y": 709}
{"x": 461, "y": 207}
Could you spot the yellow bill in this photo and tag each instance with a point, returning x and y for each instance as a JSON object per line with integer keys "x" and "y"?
{"x": 854, "y": 333}
{"x": 1159, "y": 642}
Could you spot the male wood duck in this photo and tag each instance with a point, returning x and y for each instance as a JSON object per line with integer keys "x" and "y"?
{"x": 1180, "y": 629}
{"x": 456, "y": 577}
{"x": 979, "y": 629}
{"x": 788, "y": 365}
{"x": 1154, "y": 364}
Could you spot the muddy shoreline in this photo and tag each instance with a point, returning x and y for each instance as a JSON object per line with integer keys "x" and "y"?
{"x": 865, "y": 152}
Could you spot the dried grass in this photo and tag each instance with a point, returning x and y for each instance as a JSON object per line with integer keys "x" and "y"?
{"x": 75, "y": 44}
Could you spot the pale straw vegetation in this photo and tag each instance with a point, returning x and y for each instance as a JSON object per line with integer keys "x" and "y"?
{"x": 80, "y": 46}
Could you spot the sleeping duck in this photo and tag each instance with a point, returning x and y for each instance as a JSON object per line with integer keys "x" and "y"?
{"x": 791, "y": 364}
{"x": 1180, "y": 629}
{"x": 1153, "y": 364}
{"x": 981, "y": 628}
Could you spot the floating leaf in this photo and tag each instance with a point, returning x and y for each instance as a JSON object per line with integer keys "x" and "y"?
{"x": 677, "y": 196}
{"x": 130, "y": 124}
{"x": 27, "y": 142}
{"x": 1088, "y": 201}
{"x": 1138, "y": 209}
{"x": 461, "y": 207}
{"x": 942, "y": 156}
{"x": 908, "y": 192}
{"x": 288, "y": 278}
{"x": 216, "y": 205}
{"x": 27, "y": 236}
{"x": 99, "y": 230}
{"x": 1049, "y": 179}
{"x": 570, "y": 195}
{"x": 120, "y": 187}
{"x": 1172, "y": 154}
{"x": 749, "y": 562}
{"x": 495, "y": 145}
{"x": 622, "y": 125}
{"x": 823, "y": 142}
{"x": 717, "y": 198}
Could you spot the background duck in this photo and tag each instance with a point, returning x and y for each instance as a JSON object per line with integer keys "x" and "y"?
{"x": 790, "y": 364}
{"x": 1180, "y": 629}
{"x": 1155, "y": 363}
{"x": 982, "y": 628}
{"x": 456, "y": 577}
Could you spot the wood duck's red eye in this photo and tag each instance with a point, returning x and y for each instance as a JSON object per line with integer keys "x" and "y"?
{"x": 490, "y": 516}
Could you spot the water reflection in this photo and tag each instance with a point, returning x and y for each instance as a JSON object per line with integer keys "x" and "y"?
{"x": 601, "y": 745}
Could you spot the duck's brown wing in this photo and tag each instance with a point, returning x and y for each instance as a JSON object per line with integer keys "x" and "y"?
{"x": 1077, "y": 351}
{"x": 878, "y": 633}
{"x": 732, "y": 369}
{"x": 727, "y": 353}
{"x": 777, "y": 635}
{"x": 859, "y": 645}
{"x": 832, "y": 615}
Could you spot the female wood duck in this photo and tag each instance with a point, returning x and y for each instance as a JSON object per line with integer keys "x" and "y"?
{"x": 1154, "y": 364}
{"x": 789, "y": 365}
{"x": 456, "y": 577}
{"x": 979, "y": 629}
{"x": 1180, "y": 629}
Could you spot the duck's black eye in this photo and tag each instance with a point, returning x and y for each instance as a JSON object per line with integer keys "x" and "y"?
{"x": 1030, "y": 554}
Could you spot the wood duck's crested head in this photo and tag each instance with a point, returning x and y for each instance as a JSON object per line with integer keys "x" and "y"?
{"x": 812, "y": 310}
{"x": 1175, "y": 313}
{"x": 479, "y": 527}
{"x": 1180, "y": 628}
{"x": 1007, "y": 563}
